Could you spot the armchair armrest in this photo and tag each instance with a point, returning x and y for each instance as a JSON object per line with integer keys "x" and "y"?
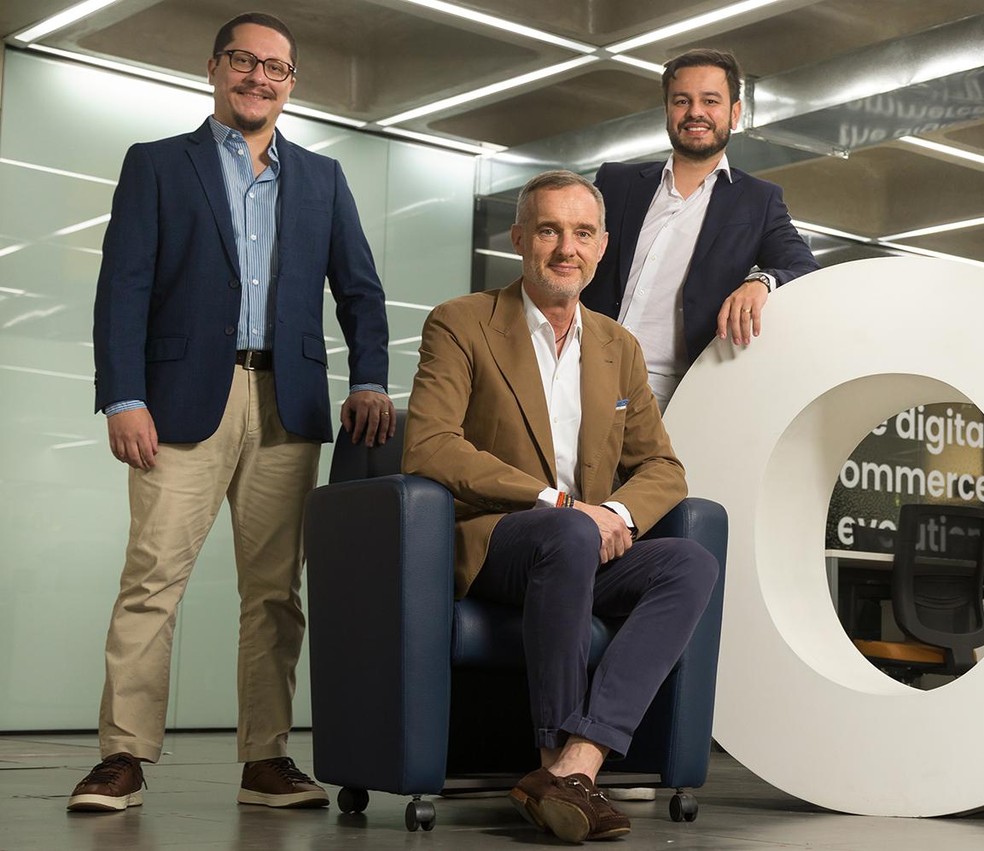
{"x": 380, "y": 591}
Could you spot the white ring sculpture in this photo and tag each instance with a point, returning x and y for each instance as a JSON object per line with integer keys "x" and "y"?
{"x": 764, "y": 430}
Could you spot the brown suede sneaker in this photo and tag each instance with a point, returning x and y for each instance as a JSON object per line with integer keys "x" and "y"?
{"x": 114, "y": 784}
{"x": 279, "y": 783}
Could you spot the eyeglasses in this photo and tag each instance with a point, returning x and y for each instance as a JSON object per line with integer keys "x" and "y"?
{"x": 243, "y": 61}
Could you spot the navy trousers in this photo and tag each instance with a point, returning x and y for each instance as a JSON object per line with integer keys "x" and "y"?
{"x": 546, "y": 560}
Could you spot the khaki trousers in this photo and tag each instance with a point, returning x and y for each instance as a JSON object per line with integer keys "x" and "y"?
{"x": 265, "y": 473}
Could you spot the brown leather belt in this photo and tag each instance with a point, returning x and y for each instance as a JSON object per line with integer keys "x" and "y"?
{"x": 255, "y": 358}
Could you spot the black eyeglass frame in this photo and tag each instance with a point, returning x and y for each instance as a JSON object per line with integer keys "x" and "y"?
{"x": 291, "y": 69}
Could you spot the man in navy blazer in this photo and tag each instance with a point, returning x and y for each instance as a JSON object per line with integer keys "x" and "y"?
{"x": 211, "y": 369}
{"x": 695, "y": 246}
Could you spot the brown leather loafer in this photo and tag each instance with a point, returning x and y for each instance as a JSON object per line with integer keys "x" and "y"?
{"x": 570, "y": 807}
{"x": 279, "y": 783}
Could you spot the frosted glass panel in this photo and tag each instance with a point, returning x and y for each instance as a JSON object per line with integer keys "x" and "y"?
{"x": 64, "y": 519}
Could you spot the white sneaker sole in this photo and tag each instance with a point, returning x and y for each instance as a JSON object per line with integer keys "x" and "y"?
{"x": 104, "y": 803}
{"x": 298, "y": 799}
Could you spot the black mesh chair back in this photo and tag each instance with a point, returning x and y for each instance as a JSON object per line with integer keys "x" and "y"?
{"x": 938, "y": 579}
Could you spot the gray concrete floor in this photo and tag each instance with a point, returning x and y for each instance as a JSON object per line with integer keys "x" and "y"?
{"x": 191, "y": 805}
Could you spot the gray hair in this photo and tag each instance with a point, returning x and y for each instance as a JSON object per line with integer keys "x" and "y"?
{"x": 556, "y": 179}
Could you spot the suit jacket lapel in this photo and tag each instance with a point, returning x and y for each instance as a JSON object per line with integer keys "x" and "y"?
{"x": 508, "y": 337}
{"x": 205, "y": 158}
{"x": 599, "y": 376}
{"x": 640, "y": 196}
{"x": 719, "y": 210}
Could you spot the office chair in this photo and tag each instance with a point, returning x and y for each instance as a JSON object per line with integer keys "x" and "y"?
{"x": 937, "y": 593}
{"x": 415, "y": 693}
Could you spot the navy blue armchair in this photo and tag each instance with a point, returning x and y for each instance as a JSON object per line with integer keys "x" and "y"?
{"x": 415, "y": 693}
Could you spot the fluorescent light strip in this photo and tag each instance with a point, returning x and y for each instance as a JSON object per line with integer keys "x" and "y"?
{"x": 124, "y": 68}
{"x": 925, "y": 252}
{"x": 486, "y": 91}
{"x": 655, "y": 67}
{"x": 800, "y": 225}
{"x": 967, "y": 223}
{"x": 60, "y": 172}
{"x": 47, "y": 372}
{"x": 308, "y": 112}
{"x": 12, "y": 249}
{"x": 91, "y": 223}
{"x": 405, "y": 341}
{"x": 409, "y": 304}
{"x": 453, "y": 144}
{"x": 63, "y": 19}
{"x": 690, "y": 24}
{"x": 75, "y": 444}
{"x": 504, "y": 255}
{"x": 948, "y": 150}
{"x": 11, "y": 291}
{"x": 502, "y": 24}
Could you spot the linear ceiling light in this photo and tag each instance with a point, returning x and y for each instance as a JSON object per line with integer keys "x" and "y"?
{"x": 62, "y": 19}
{"x": 124, "y": 68}
{"x": 503, "y": 24}
{"x": 689, "y": 24}
{"x": 910, "y": 234}
{"x": 843, "y": 234}
{"x": 452, "y": 144}
{"x": 485, "y": 91}
{"x": 948, "y": 150}
{"x": 925, "y": 252}
{"x": 655, "y": 67}
{"x": 60, "y": 172}
{"x": 321, "y": 115}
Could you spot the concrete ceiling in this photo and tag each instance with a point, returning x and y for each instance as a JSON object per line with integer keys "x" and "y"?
{"x": 833, "y": 85}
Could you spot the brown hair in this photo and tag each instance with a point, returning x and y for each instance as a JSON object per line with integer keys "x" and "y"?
{"x": 702, "y": 57}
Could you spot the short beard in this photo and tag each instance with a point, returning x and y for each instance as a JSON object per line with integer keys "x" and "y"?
{"x": 248, "y": 125}
{"x": 704, "y": 153}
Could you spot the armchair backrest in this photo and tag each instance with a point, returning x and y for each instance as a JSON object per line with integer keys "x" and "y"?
{"x": 352, "y": 461}
{"x": 938, "y": 579}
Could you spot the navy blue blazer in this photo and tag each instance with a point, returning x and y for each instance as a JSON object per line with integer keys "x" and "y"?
{"x": 746, "y": 224}
{"x": 168, "y": 297}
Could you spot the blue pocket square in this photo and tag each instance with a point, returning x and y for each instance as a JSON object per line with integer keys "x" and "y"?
{"x": 621, "y": 404}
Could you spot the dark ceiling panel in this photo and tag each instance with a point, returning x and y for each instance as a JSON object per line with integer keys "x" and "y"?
{"x": 582, "y": 101}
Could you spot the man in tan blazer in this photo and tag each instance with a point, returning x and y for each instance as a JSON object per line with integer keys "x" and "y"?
{"x": 525, "y": 406}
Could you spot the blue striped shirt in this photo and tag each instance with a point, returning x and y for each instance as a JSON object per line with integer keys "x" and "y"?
{"x": 253, "y": 204}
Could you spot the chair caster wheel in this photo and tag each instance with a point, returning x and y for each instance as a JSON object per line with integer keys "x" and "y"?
{"x": 420, "y": 814}
{"x": 683, "y": 807}
{"x": 352, "y": 800}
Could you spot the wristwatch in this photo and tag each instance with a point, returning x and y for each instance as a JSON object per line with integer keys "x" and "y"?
{"x": 760, "y": 276}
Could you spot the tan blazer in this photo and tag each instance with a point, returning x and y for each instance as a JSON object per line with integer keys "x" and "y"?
{"x": 478, "y": 421}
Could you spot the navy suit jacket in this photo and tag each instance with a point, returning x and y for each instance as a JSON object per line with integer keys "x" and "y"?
{"x": 746, "y": 224}
{"x": 168, "y": 297}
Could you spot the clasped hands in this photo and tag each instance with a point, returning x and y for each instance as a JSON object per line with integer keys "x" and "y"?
{"x": 616, "y": 538}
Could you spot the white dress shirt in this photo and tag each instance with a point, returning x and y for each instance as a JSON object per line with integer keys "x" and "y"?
{"x": 561, "y": 378}
{"x": 652, "y": 308}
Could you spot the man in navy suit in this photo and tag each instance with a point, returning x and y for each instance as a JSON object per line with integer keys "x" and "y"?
{"x": 211, "y": 369}
{"x": 695, "y": 246}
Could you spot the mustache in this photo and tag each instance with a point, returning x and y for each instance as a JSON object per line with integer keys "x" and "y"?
{"x": 253, "y": 88}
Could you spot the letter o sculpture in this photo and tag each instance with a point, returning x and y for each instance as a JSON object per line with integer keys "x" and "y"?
{"x": 764, "y": 430}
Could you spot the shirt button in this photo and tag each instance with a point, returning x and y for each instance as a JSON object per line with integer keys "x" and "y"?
{"x": 252, "y": 236}
{"x": 252, "y": 331}
{"x": 252, "y": 194}
{"x": 239, "y": 151}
